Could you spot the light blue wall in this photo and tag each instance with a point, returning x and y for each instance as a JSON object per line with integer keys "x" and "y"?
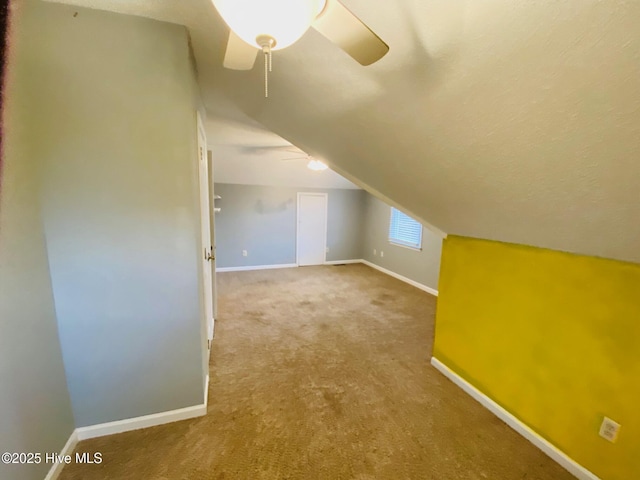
{"x": 35, "y": 408}
{"x": 116, "y": 136}
{"x": 262, "y": 220}
{"x": 421, "y": 266}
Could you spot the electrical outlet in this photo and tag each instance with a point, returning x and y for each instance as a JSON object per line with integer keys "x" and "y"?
{"x": 609, "y": 429}
{"x": 326, "y": 249}
{"x": 244, "y": 253}
{"x": 375, "y": 252}
{"x": 381, "y": 253}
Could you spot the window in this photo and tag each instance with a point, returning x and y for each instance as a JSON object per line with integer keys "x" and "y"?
{"x": 404, "y": 230}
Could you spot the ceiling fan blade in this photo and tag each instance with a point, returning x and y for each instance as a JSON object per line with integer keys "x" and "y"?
{"x": 260, "y": 149}
{"x": 239, "y": 55}
{"x": 338, "y": 24}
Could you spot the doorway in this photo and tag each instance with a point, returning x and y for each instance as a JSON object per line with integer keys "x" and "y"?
{"x": 311, "y": 236}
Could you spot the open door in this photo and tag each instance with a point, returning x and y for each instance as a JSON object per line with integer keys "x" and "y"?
{"x": 212, "y": 203}
{"x": 205, "y": 227}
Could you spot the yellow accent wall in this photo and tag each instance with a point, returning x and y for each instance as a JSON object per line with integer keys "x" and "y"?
{"x": 552, "y": 337}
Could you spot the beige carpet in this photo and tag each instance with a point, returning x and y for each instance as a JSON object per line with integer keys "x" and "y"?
{"x": 323, "y": 373}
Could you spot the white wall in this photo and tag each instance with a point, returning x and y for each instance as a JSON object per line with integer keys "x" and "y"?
{"x": 116, "y": 137}
{"x": 35, "y": 408}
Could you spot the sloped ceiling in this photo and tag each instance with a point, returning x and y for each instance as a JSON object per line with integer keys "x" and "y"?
{"x": 512, "y": 121}
{"x": 247, "y": 153}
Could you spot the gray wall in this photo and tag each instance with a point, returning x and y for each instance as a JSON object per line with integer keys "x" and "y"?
{"x": 116, "y": 136}
{"x": 262, "y": 220}
{"x": 35, "y": 409}
{"x": 421, "y": 266}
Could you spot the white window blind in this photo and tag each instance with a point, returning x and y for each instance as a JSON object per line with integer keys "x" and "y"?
{"x": 404, "y": 230}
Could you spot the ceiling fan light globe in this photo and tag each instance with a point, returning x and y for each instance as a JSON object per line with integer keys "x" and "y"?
{"x": 284, "y": 20}
{"x": 316, "y": 165}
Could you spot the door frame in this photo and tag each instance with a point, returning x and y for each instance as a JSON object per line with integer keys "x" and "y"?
{"x": 212, "y": 228}
{"x": 326, "y": 222}
{"x": 204, "y": 207}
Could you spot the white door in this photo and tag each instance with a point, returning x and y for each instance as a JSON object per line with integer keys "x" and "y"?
{"x": 312, "y": 228}
{"x": 206, "y": 247}
{"x": 212, "y": 216}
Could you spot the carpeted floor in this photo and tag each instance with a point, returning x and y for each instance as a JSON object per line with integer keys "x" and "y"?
{"x": 323, "y": 373}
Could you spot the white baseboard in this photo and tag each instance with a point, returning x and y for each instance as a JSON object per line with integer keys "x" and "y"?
{"x": 422, "y": 287}
{"x": 69, "y": 447}
{"x": 342, "y": 262}
{"x": 256, "y": 267}
{"x": 548, "y": 448}
{"x": 145, "y": 421}
{"x": 430, "y": 290}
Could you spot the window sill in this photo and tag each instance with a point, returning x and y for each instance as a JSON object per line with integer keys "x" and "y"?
{"x": 415, "y": 249}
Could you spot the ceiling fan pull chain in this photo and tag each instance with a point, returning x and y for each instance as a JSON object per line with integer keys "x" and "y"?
{"x": 266, "y": 72}
{"x": 266, "y": 42}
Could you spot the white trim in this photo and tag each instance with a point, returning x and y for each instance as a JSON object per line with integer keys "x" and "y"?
{"x": 415, "y": 249}
{"x": 69, "y": 447}
{"x": 399, "y": 243}
{"x": 211, "y": 329}
{"x": 256, "y": 267}
{"x": 205, "y": 204}
{"x": 425, "y": 288}
{"x": 145, "y": 421}
{"x": 422, "y": 287}
{"x": 343, "y": 262}
{"x": 548, "y": 448}
{"x": 326, "y": 222}
{"x": 206, "y": 392}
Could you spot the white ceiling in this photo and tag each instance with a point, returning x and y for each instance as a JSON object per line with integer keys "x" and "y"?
{"x": 513, "y": 121}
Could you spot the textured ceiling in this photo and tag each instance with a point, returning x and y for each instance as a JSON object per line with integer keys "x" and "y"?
{"x": 247, "y": 153}
{"x": 512, "y": 121}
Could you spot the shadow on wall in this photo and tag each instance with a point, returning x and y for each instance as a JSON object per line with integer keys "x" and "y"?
{"x": 265, "y": 208}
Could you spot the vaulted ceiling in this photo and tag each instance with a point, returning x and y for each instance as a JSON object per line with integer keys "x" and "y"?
{"x": 248, "y": 153}
{"x": 511, "y": 121}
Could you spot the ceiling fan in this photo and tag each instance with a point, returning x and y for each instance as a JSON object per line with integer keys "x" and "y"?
{"x": 313, "y": 163}
{"x": 276, "y": 24}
